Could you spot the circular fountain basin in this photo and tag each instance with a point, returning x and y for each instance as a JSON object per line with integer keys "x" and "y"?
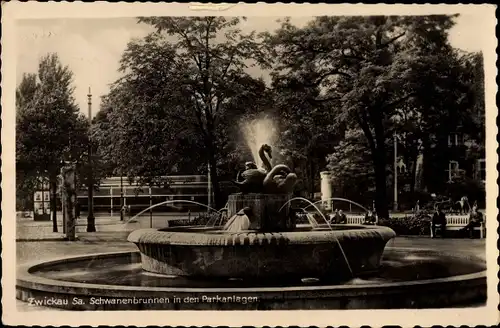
{"x": 407, "y": 278}
{"x": 336, "y": 251}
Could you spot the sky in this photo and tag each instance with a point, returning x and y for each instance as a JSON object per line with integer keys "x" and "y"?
{"x": 92, "y": 48}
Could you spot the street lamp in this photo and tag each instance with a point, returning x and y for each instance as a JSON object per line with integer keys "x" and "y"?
{"x": 90, "y": 217}
{"x": 121, "y": 196}
{"x": 395, "y": 172}
{"x": 209, "y": 187}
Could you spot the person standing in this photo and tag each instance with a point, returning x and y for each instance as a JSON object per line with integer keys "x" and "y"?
{"x": 77, "y": 209}
{"x": 417, "y": 206}
{"x": 439, "y": 218}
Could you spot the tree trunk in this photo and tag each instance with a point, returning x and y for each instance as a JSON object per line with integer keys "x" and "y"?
{"x": 219, "y": 202}
{"x": 380, "y": 163}
{"x": 380, "y": 183}
{"x": 413, "y": 164}
{"x": 311, "y": 180}
{"x": 53, "y": 201}
{"x": 214, "y": 177}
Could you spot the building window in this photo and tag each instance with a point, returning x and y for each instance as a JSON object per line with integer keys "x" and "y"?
{"x": 454, "y": 139}
{"x": 452, "y": 170}
{"x": 481, "y": 169}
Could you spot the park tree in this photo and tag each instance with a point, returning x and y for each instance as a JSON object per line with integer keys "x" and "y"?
{"x": 370, "y": 65}
{"x": 353, "y": 178}
{"x": 184, "y": 79}
{"x": 49, "y": 126}
{"x": 130, "y": 116}
{"x": 308, "y": 132}
{"x": 25, "y": 182}
{"x": 450, "y": 100}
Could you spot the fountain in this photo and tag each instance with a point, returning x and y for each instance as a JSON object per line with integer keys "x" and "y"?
{"x": 261, "y": 239}
{"x": 261, "y": 258}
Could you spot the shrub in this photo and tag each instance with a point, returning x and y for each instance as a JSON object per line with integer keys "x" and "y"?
{"x": 179, "y": 223}
{"x": 199, "y": 220}
{"x": 205, "y": 218}
{"x": 411, "y": 225}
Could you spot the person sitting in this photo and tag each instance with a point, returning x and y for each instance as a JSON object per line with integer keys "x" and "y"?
{"x": 370, "y": 219}
{"x": 340, "y": 217}
{"x": 439, "y": 218}
{"x": 475, "y": 220}
{"x": 333, "y": 216}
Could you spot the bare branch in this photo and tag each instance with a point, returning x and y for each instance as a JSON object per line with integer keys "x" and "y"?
{"x": 384, "y": 45}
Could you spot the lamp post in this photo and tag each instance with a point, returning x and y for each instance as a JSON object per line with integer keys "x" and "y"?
{"x": 90, "y": 217}
{"x": 209, "y": 187}
{"x": 395, "y": 172}
{"x": 121, "y": 196}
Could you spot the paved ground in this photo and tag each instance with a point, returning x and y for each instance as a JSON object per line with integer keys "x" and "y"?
{"x": 29, "y": 230}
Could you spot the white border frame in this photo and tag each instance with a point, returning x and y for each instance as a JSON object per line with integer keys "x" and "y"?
{"x": 12, "y": 11}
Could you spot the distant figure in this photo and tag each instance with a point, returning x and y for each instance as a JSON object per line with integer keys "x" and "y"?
{"x": 333, "y": 216}
{"x": 401, "y": 166}
{"x": 370, "y": 219}
{"x": 417, "y": 206}
{"x": 463, "y": 202}
{"x": 126, "y": 210}
{"x": 475, "y": 220}
{"x": 340, "y": 217}
{"x": 77, "y": 209}
{"x": 439, "y": 218}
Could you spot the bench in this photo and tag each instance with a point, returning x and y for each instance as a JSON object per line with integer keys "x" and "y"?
{"x": 457, "y": 222}
{"x": 356, "y": 219}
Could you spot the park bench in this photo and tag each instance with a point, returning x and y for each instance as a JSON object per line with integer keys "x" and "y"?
{"x": 356, "y": 219}
{"x": 457, "y": 222}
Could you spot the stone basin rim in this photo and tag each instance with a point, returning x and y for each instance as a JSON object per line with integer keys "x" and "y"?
{"x": 201, "y": 238}
{"x": 25, "y": 279}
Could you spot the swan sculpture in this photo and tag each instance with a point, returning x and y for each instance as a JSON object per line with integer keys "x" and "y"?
{"x": 280, "y": 180}
{"x": 269, "y": 180}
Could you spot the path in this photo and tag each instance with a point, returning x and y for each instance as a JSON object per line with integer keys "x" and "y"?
{"x": 29, "y": 230}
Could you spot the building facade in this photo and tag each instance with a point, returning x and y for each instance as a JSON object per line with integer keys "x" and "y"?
{"x": 114, "y": 192}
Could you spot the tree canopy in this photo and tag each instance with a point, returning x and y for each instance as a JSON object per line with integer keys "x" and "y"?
{"x": 49, "y": 126}
{"x": 183, "y": 88}
{"x": 342, "y": 88}
{"x": 371, "y": 69}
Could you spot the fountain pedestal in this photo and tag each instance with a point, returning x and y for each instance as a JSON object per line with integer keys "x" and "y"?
{"x": 267, "y": 213}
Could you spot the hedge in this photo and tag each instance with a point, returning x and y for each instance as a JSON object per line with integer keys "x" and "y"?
{"x": 410, "y": 225}
{"x": 199, "y": 220}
